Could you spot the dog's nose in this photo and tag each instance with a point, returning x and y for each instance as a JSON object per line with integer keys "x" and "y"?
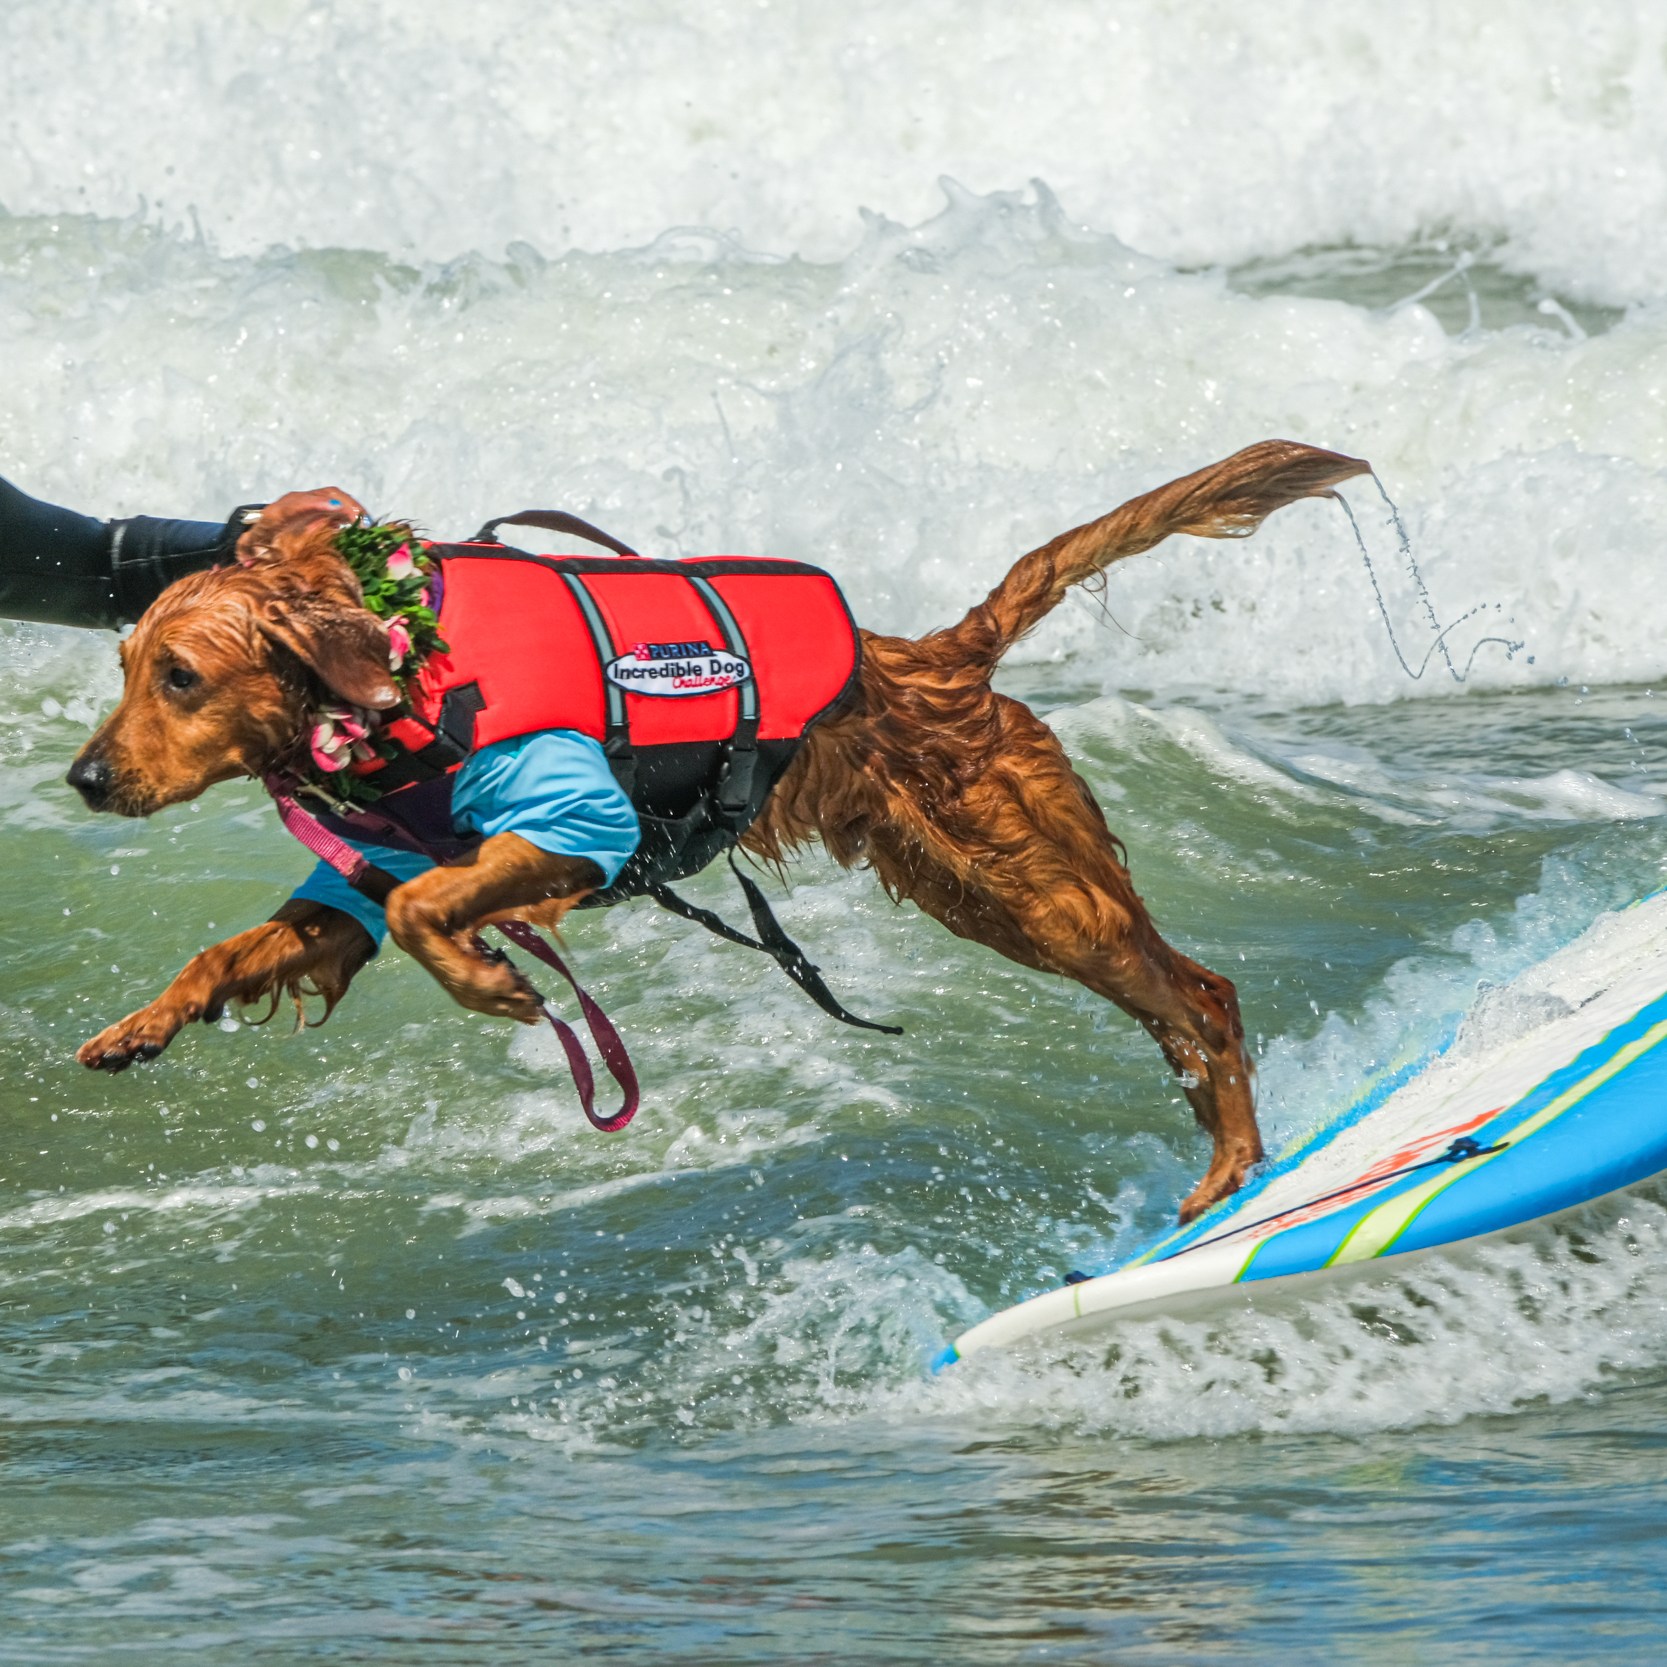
{"x": 91, "y": 778}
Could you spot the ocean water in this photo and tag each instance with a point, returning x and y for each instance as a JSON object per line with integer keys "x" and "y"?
{"x": 357, "y": 1344}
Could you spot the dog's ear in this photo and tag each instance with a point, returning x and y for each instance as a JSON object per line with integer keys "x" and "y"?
{"x": 344, "y": 644}
{"x": 312, "y": 604}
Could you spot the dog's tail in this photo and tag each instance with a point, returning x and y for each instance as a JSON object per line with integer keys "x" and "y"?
{"x": 1230, "y": 499}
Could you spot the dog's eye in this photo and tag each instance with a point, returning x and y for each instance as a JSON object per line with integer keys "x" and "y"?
{"x": 182, "y": 677}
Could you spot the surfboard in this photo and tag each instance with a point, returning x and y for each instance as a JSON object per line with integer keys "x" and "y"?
{"x": 1550, "y": 1094}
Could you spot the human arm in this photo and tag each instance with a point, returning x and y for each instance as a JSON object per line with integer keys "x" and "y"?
{"x": 59, "y": 567}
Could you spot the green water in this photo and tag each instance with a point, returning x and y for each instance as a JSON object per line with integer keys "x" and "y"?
{"x": 357, "y": 1344}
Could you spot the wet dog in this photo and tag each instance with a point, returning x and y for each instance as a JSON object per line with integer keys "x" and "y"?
{"x": 960, "y": 799}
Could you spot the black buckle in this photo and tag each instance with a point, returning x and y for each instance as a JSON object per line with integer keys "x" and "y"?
{"x": 735, "y": 780}
{"x": 622, "y": 761}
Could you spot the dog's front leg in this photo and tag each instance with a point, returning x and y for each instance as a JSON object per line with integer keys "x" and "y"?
{"x": 302, "y": 942}
{"x": 436, "y": 918}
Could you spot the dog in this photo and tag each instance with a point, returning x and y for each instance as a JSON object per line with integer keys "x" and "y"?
{"x": 961, "y": 800}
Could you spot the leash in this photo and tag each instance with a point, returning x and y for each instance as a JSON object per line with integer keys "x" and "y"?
{"x": 377, "y": 884}
{"x": 608, "y": 1042}
{"x": 352, "y": 864}
{"x": 1461, "y": 1150}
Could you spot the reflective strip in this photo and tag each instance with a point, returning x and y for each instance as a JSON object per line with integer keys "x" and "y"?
{"x": 1377, "y": 1232}
{"x": 733, "y": 641}
{"x": 605, "y": 651}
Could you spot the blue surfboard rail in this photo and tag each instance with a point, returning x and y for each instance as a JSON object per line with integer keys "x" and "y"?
{"x": 1446, "y": 1148}
{"x": 1611, "y": 1134}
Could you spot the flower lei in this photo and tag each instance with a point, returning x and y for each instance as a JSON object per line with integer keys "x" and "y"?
{"x": 393, "y": 571}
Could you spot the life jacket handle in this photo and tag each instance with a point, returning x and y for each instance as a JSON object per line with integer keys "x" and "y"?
{"x": 555, "y": 521}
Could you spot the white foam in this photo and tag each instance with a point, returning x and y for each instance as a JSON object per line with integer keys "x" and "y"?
{"x": 914, "y": 417}
{"x": 843, "y": 1335}
{"x": 1294, "y": 781}
{"x": 1190, "y": 128}
{"x": 1489, "y": 1329}
{"x": 196, "y": 1198}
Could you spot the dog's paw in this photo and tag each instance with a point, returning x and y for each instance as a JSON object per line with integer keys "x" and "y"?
{"x": 1223, "y": 1178}
{"x": 495, "y": 986}
{"x": 142, "y": 1035}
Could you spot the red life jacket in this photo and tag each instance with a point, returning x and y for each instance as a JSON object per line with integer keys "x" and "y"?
{"x": 700, "y": 678}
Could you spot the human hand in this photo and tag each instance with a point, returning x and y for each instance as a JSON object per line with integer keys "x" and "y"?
{"x": 329, "y": 501}
{"x": 296, "y": 512}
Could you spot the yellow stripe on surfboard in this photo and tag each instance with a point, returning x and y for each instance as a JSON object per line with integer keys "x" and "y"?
{"x": 1376, "y": 1232}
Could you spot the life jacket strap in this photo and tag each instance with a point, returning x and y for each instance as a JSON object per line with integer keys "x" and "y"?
{"x": 737, "y": 773}
{"x": 616, "y": 737}
{"x": 772, "y": 941}
{"x": 453, "y": 741}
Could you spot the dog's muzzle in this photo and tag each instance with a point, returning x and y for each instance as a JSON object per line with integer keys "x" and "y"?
{"x": 92, "y": 778}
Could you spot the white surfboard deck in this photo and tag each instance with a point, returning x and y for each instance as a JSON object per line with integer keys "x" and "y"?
{"x": 1552, "y": 1093}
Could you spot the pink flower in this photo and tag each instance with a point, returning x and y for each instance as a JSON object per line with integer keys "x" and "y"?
{"x": 337, "y": 736}
{"x": 399, "y": 643}
{"x": 329, "y": 749}
{"x": 402, "y": 563}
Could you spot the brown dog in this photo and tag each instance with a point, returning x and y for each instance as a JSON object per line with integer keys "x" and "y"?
{"x": 958, "y": 798}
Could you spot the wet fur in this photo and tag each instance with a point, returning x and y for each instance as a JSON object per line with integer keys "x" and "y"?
{"x": 960, "y": 799}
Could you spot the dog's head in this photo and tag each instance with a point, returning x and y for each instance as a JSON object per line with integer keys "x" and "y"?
{"x": 223, "y": 668}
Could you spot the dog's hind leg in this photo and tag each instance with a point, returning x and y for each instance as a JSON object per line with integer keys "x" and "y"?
{"x": 1089, "y": 925}
{"x": 1193, "y": 1016}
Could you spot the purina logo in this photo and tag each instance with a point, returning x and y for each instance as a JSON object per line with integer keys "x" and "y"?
{"x": 677, "y": 668}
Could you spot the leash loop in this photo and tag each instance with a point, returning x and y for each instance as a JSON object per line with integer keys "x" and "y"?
{"x": 602, "y": 1032}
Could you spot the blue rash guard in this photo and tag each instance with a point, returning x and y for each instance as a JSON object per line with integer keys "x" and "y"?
{"x": 553, "y": 788}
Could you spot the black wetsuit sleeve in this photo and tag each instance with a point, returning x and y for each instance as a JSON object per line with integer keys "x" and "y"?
{"x": 62, "y": 568}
